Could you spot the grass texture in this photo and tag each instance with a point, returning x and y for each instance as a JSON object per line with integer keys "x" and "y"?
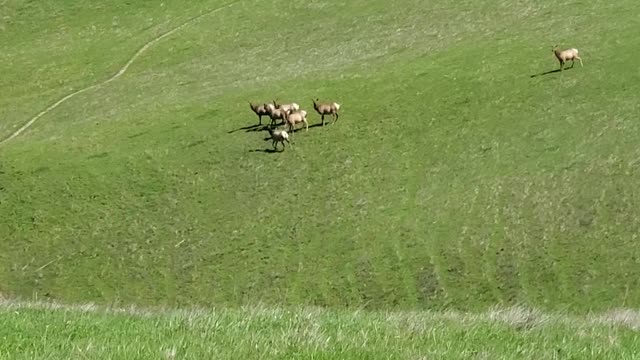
{"x": 463, "y": 173}
{"x": 52, "y": 331}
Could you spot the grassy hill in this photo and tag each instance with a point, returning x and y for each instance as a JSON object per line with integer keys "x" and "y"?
{"x": 462, "y": 173}
{"x": 258, "y": 332}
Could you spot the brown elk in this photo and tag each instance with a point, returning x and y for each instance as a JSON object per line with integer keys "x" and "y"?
{"x": 326, "y": 109}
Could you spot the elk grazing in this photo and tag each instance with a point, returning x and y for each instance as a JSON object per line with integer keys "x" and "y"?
{"x": 326, "y": 109}
{"x": 565, "y": 55}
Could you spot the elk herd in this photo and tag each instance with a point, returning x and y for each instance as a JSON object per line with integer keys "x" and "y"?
{"x": 290, "y": 115}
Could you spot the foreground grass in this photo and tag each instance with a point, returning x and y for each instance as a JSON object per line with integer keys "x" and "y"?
{"x": 51, "y": 331}
{"x": 453, "y": 179}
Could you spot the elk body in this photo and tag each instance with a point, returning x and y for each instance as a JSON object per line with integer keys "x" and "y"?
{"x": 278, "y": 136}
{"x": 260, "y": 110}
{"x": 326, "y": 109}
{"x": 566, "y": 55}
{"x": 275, "y": 113}
{"x": 296, "y": 117}
{"x": 287, "y": 107}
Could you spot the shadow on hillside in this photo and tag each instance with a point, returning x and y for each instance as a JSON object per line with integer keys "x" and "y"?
{"x": 303, "y": 129}
{"x": 133, "y": 136}
{"x": 98, "y": 156}
{"x": 267, "y": 151}
{"x": 263, "y": 127}
{"x": 551, "y": 72}
{"x": 318, "y": 125}
{"x": 195, "y": 143}
{"x": 254, "y": 127}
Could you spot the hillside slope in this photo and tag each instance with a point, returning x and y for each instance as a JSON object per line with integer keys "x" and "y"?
{"x": 462, "y": 173}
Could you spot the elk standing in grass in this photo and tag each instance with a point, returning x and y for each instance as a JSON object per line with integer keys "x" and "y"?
{"x": 287, "y": 107}
{"x": 278, "y": 136}
{"x": 260, "y": 110}
{"x": 275, "y": 113}
{"x": 565, "y": 55}
{"x": 326, "y": 109}
{"x": 296, "y": 117}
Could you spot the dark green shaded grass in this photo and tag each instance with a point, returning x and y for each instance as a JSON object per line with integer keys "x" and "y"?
{"x": 453, "y": 178}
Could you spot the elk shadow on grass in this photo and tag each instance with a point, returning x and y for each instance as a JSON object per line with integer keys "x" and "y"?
{"x": 551, "y": 72}
{"x": 195, "y": 143}
{"x": 248, "y": 128}
{"x": 318, "y": 125}
{"x": 267, "y": 151}
{"x": 133, "y": 136}
{"x": 295, "y": 130}
{"x": 304, "y": 128}
{"x": 98, "y": 156}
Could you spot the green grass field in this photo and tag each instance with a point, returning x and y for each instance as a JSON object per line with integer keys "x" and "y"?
{"x": 257, "y": 332}
{"x": 459, "y": 176}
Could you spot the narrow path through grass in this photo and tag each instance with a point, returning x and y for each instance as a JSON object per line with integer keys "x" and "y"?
{"x": 116, "y": 75}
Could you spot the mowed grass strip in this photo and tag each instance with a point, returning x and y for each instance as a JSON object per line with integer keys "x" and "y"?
{"x": 453, "y": 178}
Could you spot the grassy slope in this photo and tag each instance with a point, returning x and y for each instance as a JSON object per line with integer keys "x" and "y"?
{"x": 309, "y": 333}
{"x": 453, "y": 179}
{"x": 52, "y": 48}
